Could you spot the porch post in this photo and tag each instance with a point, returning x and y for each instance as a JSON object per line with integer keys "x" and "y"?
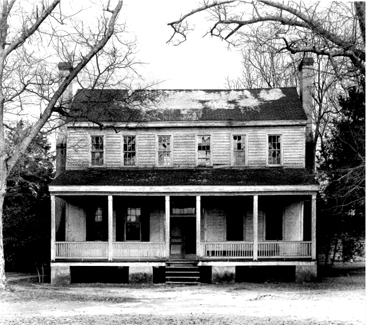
{"x": 255, "y": 227}
{"x": 110, "y": 227}
{"x": 198, "y": 226}
{"x": 313, "y": 227}
{"x": 167, "y": 225}
{"x": 53, "y": 228}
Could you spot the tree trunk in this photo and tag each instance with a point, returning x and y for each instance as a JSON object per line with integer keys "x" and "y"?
{"x": 2, "y": 257}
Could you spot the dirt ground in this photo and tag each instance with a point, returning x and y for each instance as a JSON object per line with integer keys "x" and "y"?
{"x": 335, "y": 299}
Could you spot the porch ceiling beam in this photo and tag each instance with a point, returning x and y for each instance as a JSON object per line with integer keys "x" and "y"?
{"x": 183, "y": 189}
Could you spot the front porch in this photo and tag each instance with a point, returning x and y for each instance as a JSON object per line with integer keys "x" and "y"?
{"x": 118, "y": 228}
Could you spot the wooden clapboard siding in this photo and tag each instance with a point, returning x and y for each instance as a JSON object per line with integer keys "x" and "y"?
{"x": 215, "y": 220}
{"x": 184, "y": 145}
{"x": 157, "y": 219}
{"x": 257, "y": 150}
{"x": 221, "y": 149}
{"x": 248, "y": 226}
{"x": 113, "y": 150}
{"x": 184, "y": 151}
{"x": 293, "y": 217}
{"x": 146, "y": 149}
{"x": 78, "y": 149}
{"x": 75, "y": 223}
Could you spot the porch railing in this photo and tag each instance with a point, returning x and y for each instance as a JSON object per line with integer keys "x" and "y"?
{"x": 82, "y": 250}
{"x": 227, "y": 249}
{"x": 265, "y": 249}
{"x": 284, "y": 249}
{"x": 138, "y": 250}
{"x": 99, "y": 250}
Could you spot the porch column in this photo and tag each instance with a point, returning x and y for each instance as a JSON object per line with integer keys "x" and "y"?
{"x": 167, "y": 225}
{"x": 53, "y": 228}
{"x": 198, "y": 226}
{"x": 110, "y": 227}
{"x": 313, "y": 227}
{"x": 255, "y": 227}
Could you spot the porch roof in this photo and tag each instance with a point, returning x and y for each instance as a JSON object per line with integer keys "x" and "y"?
{"x": 184, "y": 177}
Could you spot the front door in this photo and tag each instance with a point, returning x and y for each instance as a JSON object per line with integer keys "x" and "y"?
{"x": 182, "y": 237}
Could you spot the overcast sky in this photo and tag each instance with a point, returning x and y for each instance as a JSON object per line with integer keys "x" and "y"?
{"x": 199, "y": 63}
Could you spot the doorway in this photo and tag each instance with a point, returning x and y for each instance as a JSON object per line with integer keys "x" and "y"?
{"x": 182, "y": 237}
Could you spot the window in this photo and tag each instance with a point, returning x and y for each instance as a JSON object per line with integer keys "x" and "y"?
{"x": 164, "y": 150}
{"x": 239, "y": 150}
{"x": 133, "y": 224}
{"x": 97, "y": 151}
{"x": 274, "y": 150}
{"x": 129, "y": 150}
{"x": 204, "y": 150}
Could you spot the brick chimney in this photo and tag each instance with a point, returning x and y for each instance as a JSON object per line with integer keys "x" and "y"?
{"x": 306, "y": 83}
{"x": 65, "y": 101}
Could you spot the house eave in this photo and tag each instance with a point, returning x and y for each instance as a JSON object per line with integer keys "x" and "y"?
{"x": 158, "y": 124}
{"x": 181, "y": 190}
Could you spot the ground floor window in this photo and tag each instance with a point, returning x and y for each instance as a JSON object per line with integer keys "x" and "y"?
{"x": 133, "y": 224}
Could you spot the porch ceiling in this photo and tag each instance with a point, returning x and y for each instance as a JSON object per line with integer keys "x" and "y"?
{"x": 185, "y": 178}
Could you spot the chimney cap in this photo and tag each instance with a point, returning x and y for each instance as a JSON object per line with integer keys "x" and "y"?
{"x": 307, "y": 61}
{"x": 65, "y": 66}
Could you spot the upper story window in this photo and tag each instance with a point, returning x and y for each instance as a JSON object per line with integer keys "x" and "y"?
{"x": 133, "y": 224}
{"x": 129, "y": 150}
{"x": 164, "y": 150}
{"x": 97, "y": 150}
{"x": 274, "y": 149}
{"x": 239, "y": 148}
{"x": 204, "y": 150}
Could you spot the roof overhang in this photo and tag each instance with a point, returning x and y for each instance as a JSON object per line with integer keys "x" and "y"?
{"x": 158, "y": 124}
{"x": 67, "y": 190}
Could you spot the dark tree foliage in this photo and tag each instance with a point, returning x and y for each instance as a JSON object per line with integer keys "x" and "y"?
{"x": 342, "y": 215}
{"x": 27, "y": 204}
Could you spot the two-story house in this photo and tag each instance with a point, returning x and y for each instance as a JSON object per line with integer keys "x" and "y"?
{"x": 185, "y": 185}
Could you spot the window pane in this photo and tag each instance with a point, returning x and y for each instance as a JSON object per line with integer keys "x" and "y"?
{"x": 164, "y": 150}
{"x": 239, "y": 149}
{"x": 129, "y": 150}
{"x": 97, "y": 151}
{"x": 204, "y": 150}
{"x": 274, "y": 149}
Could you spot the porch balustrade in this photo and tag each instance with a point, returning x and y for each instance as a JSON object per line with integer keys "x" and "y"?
{"x": 99, "y": 250}
{"x": 265, "y": 249}
{"x": 284, "y": 249}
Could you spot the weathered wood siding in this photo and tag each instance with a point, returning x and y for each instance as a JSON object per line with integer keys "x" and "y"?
{"x": 215, "y": 225}
{"x": 157, "y": 228}
{"x": 184, "y": 146}
{"x": 248, "y": 226}
{"x": 293, "y": 217}
{"x": 146, "y": 149}
{"x": 75, "y": 223}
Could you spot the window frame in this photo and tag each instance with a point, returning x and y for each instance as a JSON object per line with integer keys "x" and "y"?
{"x": 123, "y": 150}
{"x": 133, "y": 222}
{"x": 281, "y": 149}
{"x": 97, "y": 151}
{"x": 233, "y": 150}
{"x": 158, "y": 151}
{"x": 197, "y": 155}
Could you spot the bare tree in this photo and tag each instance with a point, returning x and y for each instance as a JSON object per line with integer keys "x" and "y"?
{"x": 336, "y": 31}
{"x": 28, "y": 78}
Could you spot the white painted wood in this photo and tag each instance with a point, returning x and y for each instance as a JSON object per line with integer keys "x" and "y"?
{"x": 53, "y": 228}
{"x": 75, "y": 223}
{"x": 198, "y": 225}
{"x": 157, "y": 226}
{"x": 265, "y": 189}
{"x": 227, "y": 249}
{"x": 215, "y": 225}
{"x": 255, "y": 227}
{"x": 293, "y": 222}
{"x": 110, "y": 227}
{"x": 167, "y": 225}
{"x": 313, "y": 227}
{"x": 184, "y": 145}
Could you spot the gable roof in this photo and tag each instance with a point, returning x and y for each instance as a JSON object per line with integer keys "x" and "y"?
{"x": 108, "y": 105}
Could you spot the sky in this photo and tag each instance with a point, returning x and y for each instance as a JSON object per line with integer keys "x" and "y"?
{"x": 199, "y": 63}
